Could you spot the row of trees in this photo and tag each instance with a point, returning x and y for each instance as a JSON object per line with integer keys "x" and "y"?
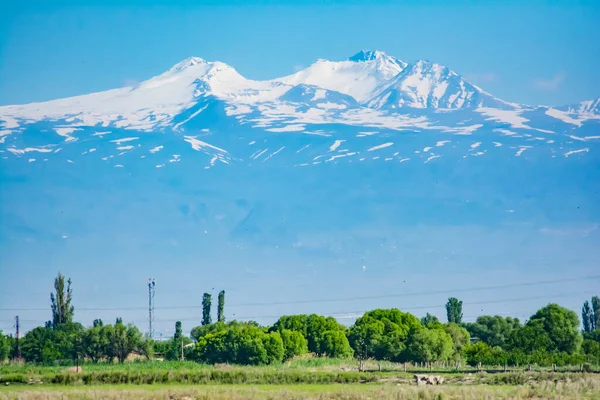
{"x": 551, "y": 336}
{"x": 590, "y": 316}
{"x": 206, "y": 308}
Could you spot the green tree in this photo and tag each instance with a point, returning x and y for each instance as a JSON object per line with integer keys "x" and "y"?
{"x": 493, "y": 330}
{"x": 97, "y": 323}
{"x": 294, "y": 344}
{"x": 96, "y": 342}
{"x": 4, "y": 347}
{"x": 429, "y": 319}
{"x": 206, "y": 304}
{"x": 485, "y": 354}
{"x": 596, "y": 313}
{"x": 587, "y": 317}
{"x": 274, "y": 347}
{"x": 62, "y": 310}
{"x": 454, "y": 310}
{"x": 335, "y": 344}
{"x": 39, "y": 345}
{"x": 124, "y": 340}
{"x": 429, "y": 345}
{"x": 221, "y": 307}
{"x": 244, "y": 344}
{"x": 68, "y": 338}
{"x": 551, "y": 329}
{"x": 382, "y": 334}
{"x": 174, "y": 352}
{"x": 312, "y": 327}
{"x": 199, "y": 331}
{"x": 591, "y": 346}
{"x": 460, "y": 339}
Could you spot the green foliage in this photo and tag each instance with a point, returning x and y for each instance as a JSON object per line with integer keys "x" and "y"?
{"x": 206, "y": 304}
{"x": 221, "y": 307}
{"x": 485, "y": 354}
{"x": 335, "y": 344}
{"x": 39, "y": 345}
{"x": 4, "y": 347}
{"x": 96, "y": 342}
{"x": 203, "y": 330}
{"x": 124, "y": 340}
{"x": 240, "y": 344}
{"x": 429, "y": 345}
{"x": 382, "y": 334}
{"x": 587, "y": 317}
{"x": 62, "y": 310}
{"x": 591, "y": 349}
{"x": 312, "y": 327}
{"x": 294, "y": 344}
{"x": 493, "y": 330}
{"x": 460, "y": 339}
{"x": 274, "y": 347}
{"x": 174, "y": 351}
{"x": 429, "y": 319}
{"x": 454, "y": 310}
{"x": 595, "y": 313}
{"x": 171, "y": 373}
{"x": 551, "y": 329}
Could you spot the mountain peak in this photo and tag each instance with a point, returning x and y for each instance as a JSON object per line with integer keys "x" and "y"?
{"x": 367, "y": 55}
{"x": 188, "y": 62}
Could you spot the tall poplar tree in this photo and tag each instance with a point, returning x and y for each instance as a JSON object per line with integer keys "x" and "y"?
{"x": 62, "y": 310}
{"x": 454, "y": 310}
{"x": 206, "y": 304}
{"x": 221, "y": 307}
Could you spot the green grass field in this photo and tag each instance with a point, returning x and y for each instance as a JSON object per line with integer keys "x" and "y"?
{"x": 584, "y": 388}
{"x": 301, "y": 379}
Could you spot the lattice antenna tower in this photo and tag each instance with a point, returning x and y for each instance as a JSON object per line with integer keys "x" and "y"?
{"x": 151, "y": 293}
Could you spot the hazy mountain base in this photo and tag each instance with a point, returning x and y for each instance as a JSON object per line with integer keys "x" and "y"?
{"x": 332, "y": 217}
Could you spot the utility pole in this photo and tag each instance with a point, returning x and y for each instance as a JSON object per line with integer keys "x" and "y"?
{"x": 151, "y": 292}
{"x": 17, "y": 349}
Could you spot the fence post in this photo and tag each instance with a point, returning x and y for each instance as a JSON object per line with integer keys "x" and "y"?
{"x": 554, "y": 367}
{"x": 405, "y": 366}
{"x": 505, "y": 367}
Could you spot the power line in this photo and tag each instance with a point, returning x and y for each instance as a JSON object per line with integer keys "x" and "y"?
{"x": 330, "y": 300}
{"x": 361, "y": 312}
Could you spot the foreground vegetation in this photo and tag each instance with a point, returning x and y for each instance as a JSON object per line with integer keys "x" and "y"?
{"x": 552, "y": 337}
{"x": 583, "y": 387}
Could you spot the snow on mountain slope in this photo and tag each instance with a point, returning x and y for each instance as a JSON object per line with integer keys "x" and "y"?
{"x": 589, "y": 108}
{"x": 314, "y": 95}
{"x": 358, "y": 77}
{"x": 153, "y": 102}
{"x": 429, "y": 85}
{"x": 370, "y": 90}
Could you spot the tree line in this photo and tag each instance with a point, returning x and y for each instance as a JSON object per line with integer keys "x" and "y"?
{"x": 553, "y": 335}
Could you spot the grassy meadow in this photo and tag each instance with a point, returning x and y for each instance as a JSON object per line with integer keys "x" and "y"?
{"x": 307, "y": 378}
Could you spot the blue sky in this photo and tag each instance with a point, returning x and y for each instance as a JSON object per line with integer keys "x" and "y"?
{"x": 109, "y": 239}
{"x": 534, "y": 52}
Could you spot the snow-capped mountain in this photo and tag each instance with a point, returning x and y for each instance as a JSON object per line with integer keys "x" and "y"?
{"x": 429, "y": 85}
{"x": 359, "y": 76}
{"x": 370, "y": 161}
